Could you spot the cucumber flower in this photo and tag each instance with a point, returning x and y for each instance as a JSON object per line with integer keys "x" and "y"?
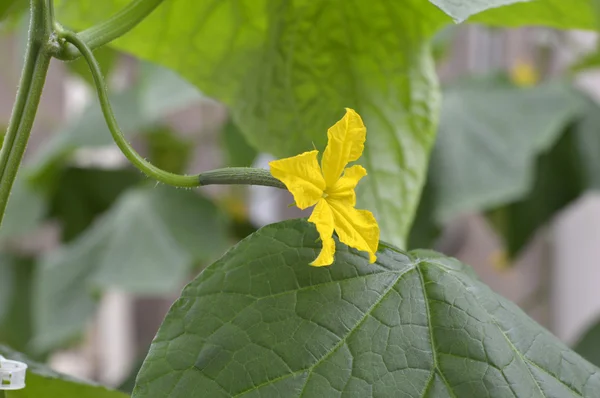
{"x": 331, "y": 191}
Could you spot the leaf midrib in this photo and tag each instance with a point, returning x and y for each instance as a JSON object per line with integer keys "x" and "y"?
{"x": 435, "y": 367}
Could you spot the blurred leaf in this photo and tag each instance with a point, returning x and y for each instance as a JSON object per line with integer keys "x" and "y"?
{"x": 26, "y": 208}
{"x": 63, "y": 302}
{"x": 588, "y": 345}
{"x": 588, "y": 61}
{"x": 147, "y": 243}
{"x": 82, "y": 194}
{"x": 106, "y": 57}
{"x": 490, "y": 135}
{"x": 261, "y": 322}
{"x": 11, "y": 8}
{"x": 7, "y": 284}
{"x": 425, "y": 230}
{"x": 169, "y": 151}
{"x": 128, "y": 385}
{"x": 555, "y": 13}
{"x": 587, "y": 133}
{"x": 238, "y": 152}
{"x": 43, "y": 382}
{"x": 163, "y": 91}
{"x": 15, "y": 301}
{"x": 442, "y": 42}
{"x": 558, "y": 181}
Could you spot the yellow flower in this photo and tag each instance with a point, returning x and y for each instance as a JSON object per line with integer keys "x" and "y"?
{"x": 331, "y": 192}
{"x": 524, "y": 74}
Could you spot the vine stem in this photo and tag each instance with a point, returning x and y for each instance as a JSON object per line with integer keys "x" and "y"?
{"x": 234, "y": 175}
{"x": 31, "y": 85}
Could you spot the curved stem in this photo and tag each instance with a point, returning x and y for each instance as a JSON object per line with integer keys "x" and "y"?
{"x": 114, "y": 27}
{"x": 239, "y": 175}
{"x": 31, "y": 85}
{"x": 130, "y": 153}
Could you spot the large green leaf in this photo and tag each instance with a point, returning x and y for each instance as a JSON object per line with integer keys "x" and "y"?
{"x": 287, "y": 70}
{"x": 490, "y": 136}
{"x": 43, "y": 382}
{"x": 146, "y": 244}
{"x": 261, "y": 322}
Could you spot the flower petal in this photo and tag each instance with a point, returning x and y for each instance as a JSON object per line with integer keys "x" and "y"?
{"x": 346, "y": 142}
{"x": 302, "y": 177}
{"x": 343, "y": 189}
{"x": 322, "y": 217}
{"x": 356, "y": 228}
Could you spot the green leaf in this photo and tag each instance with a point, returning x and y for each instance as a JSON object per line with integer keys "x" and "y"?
{"x": 63, "y": 302}
{"x": 461, "y": 10}
{"x": 15, "y": 300}
{"x": 237, "y": 150}
{"x": 425, "y": 230}
{"x": 490, "y": 135}
{"x": 168, "y": 151}
{"x": 556, "y": 13}
{"x": 43, "y": 382}
{"x": 163, "y": 91}
{"x": 574, "y": 14}
{"x": 26, "y": 208}
{"x": 587, "y": 132}
{"x": 558, "y": 181}
{"x": 82, "y": 194}
{"x": 8, "y": 7}
{"x": 588, "y": 61}
{"x": 588, "y": 345}
{"x": 288, "y": 69}
{"x": 261, "y": 322}
{"x": 146, "y": 244}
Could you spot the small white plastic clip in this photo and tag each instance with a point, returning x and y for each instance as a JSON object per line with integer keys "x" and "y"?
{"x": 12, "y": 374}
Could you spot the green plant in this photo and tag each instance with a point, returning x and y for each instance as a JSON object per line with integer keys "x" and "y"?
{"x": 260, "y": 321}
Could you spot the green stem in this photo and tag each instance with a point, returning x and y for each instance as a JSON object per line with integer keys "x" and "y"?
{"x": 111, "y": 29}
{"x": 31, "y": 85}
{"x": 239, "y": 175}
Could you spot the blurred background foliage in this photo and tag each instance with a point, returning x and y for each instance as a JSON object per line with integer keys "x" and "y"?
{"x": 517, "y": 146}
